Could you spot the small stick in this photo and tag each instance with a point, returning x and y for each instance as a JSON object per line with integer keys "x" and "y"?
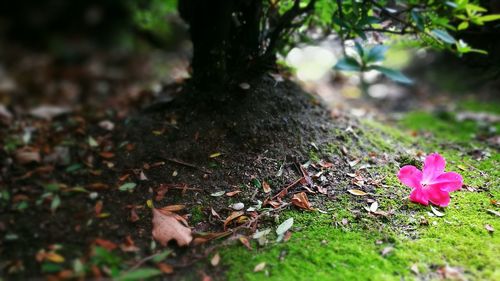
{"x": 180, "y": 162}
{"x": 286, "y": 188}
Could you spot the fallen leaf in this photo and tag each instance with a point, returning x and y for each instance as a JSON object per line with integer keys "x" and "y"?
{"x": 452, "y": 273}
{"x": 107, "y": 154}
{"x": 165, "y": 268}
{"x": 245, "y": 242}
{"x": 233, "y": 193}
{"x": 300, "y": 200}
{"x": 215, "y": 260}
{"x": 231, "y": 217}
{"x": 374, "y": 207}
{"x": 214, "y": 155}
{"x": 54, "y": 257}
{"x": 48, "y": 112}
{"x": 173, "y": 208}
{"x": 237, "y": 206}
{"x": 133, "y": 215}
{"x": 218, "y": 193}
{"x": 266, "y": 187}
{"x": 98, "y": 207}
{"x": 97, "y": 186}
{"x": 129, "y": 245}
{"x": 496, "y": 213}
{"x": 357, "y": 192}
{"x": 129, "y": 186}
{"x": 436, "y": 212}
{"x": 489, "y": 228}
{"x": 107, "y": 125}
{"x": 27, "y": 155}
{"x": 142, "y": 176}
{"x": 284, "y": 226}
{"x": 386, "y": 251}
{"x": 108, "y": 245}
{"x": 166, "y": 227}
{"x": 259, "y": 267}
{"x": 414, "y": 269}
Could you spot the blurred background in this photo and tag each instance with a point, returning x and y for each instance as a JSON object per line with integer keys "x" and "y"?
{"x": 87, "y": 56}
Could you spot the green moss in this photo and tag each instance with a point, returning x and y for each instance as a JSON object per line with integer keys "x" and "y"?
{"x": 322, "y": 248}
{"x": 197, "y": 214}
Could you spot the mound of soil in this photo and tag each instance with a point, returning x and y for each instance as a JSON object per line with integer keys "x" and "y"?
{"x": 203, "y": 154}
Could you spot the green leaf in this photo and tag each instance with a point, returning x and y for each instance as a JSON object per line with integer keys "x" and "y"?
{"x": 444, "y": 36}
{"x": 393, "y": 74}
{"x": 417, "y": 17}
{"x": 129, "y": 186}
{"x": 376, "y": 53}
{"x": 359, "y": 48}
{"x": 489, "y": 18}
{"x": 463, "y": 25}
{"x": 140, "y": 274}
{"x": 348, "y": 64}
{"x": 56, "y": 202}
{"x": 161, "y": 256}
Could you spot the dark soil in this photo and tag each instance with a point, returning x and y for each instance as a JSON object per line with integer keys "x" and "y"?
{"x": 188, "y": 148}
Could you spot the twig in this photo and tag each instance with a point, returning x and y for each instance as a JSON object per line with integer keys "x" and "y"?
{"x": 285, "y": 190}
{"x": 180, "y": 162}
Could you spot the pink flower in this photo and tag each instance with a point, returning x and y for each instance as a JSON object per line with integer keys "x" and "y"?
{"x": 432, "y": 184}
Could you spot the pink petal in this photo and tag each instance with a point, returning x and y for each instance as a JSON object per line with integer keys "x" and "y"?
{"x": 410, "y": 176}
{"x": 433, "y": 167}
{"x": 448, "y": 182}
{"x": 438, "y": 196}
{"x": 419, "y": 195}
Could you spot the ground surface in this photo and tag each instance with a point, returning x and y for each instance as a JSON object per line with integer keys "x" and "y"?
{"x": 78, "y": 185}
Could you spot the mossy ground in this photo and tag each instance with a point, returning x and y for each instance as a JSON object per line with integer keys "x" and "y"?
{"x": 347, "y": 243}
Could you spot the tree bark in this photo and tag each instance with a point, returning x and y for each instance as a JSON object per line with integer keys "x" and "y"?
{"x": 225, "y": 36}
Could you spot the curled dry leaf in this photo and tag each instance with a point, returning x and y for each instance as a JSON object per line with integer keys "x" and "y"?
{"x": 266, "y": 187}
{"x": 300, "y": 200}
{"x": 166, "y": 227}
{"x": 27, "y": 155}
{"x": 232, "y": 216}
{"x": 357, "y": 192}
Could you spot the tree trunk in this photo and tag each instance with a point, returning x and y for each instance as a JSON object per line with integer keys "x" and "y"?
{"x": 225, "y": 36}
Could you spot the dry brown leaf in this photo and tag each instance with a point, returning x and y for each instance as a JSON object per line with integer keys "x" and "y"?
{"x": 108, "y": 245}
{"x": 107, "y": 154}
{"x": 233, "y": 193}
{"x": 232, "y": 216}
{"x": 357, "y": 192}
{"x": 97, "y": 186}
{"x": 166, "y": 227}
{"x": 300, "y": 200}
{"x": 172, "y": 208}
{"x": 266, "y": 187}
{"x": 133, "y": 215}
{"x": 245, "y": 242}
{"x": 165, "y": 268}
{"x": 27, "y": 155}
{"x": 129, "y": 245}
